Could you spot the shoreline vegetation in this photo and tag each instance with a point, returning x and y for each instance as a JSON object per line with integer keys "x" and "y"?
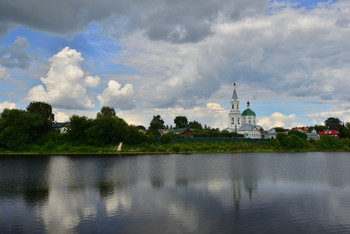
{"x": 31, "y": 132}
{"x": 325, "y": 144}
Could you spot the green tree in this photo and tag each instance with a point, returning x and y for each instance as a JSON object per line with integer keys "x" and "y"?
{"x": 181, "y": 122}
{"x": 300, "y": 134}
{"x": 347, "y": 130}
{"x": 166, "y": 138}
{"x": 329, "y": 143}
{"x": 77, "y": 129}
{"x": 133, "y": 135}
{"x": 19, "y": 129}
{"x": 141, "y": 127}
{"x": 279, "y": 129}
{"x": 156, "y": 123}
{"x": 294, "y": 141}
{"x": 45, "y": 111}
{"x": 107, "y": 131}
{"x": 333, "y": 123}
{"x": 106, "y": 111}
{"x": 318, "y": 128}
{"x": 281, "y": 138}
{"x": 195, "y": 125}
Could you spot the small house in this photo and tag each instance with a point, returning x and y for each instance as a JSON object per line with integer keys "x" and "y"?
{"x": 185, "y": 132}
{"x": 329, "y": 132}
{"x": 62, "y": 127}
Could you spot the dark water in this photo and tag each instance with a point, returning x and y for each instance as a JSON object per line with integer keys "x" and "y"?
{"x": 199, "y": 193}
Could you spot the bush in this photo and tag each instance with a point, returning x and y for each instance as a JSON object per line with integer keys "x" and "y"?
{"x": 300, "y": 134}
{"x": 176, "y": 148}
{"x": 281, "y": 138}
{"x": 49, "y": 146}
{"x": 166, "y": 138}
{"x": 295, "y": 142}
{"x": 328, "y": 142}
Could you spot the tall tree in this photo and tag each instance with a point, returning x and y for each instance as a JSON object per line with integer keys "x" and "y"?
{"x": 107, "y": 131}
{"x": 77, "y": 129}
{"x": 156, "y": 123}
{"x": 195, "y": 125}
{"x": 19, "y": 128}
{"x": 45, "y": 110}
{"x": 181, "y": 122}
{"x": 333, "y": 123}
{"x": 106, "y": 111}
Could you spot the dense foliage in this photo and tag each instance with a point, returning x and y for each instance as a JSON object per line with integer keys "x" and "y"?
{"x": 29, "y": 131}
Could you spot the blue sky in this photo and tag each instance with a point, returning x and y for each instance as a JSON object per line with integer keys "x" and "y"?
{"x": 291, "y": 58}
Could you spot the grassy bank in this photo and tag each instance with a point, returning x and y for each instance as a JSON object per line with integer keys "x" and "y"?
{"x": 189, "y": 147}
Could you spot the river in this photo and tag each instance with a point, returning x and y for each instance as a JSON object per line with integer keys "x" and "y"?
{"x": 192, "y": 193}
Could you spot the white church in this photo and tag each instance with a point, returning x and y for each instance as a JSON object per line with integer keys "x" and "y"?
{"x": 244, "y": 123}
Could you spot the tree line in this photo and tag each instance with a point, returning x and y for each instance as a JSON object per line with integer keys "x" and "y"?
{"x": 31, "y": 130}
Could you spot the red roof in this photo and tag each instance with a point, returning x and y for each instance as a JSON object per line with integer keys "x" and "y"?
{"x": 328, "y": 132}
{"x": 304, "y": 129}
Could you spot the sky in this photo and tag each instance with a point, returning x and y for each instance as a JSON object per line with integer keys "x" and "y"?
{"x": 290, "y": 59}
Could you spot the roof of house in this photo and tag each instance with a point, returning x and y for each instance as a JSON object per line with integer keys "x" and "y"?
{"x": 180, "y": 130}
{"x": 304, "y": 129}
{"x": 248, "y": 127}
{"x": 59, "y": 125}
{"x": 328, "y": 132}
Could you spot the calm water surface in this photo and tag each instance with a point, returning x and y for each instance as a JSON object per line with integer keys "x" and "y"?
{"x": 198, "y": 193}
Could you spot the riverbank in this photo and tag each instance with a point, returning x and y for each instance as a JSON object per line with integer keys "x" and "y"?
{"x": 273, "y": 146}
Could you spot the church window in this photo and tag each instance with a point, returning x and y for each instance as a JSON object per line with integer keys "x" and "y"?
{"x": 238, "y": 121}
{"x": 233, "y": 106}
{"x": 233, "y": 121}
{"x": 237, "y": 106}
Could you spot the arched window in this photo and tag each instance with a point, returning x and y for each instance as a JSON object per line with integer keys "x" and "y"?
{"x": 233, "y": 106}
{"x": 238, "y": 121}
{"x": 233, "y": 121}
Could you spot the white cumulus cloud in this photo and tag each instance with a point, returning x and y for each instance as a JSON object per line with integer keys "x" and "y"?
{"x": 65, "y": 83}
{"x": 7, "y": 105}
{"x": 117, "y": 96}
{"x": 278, "y": 120}
{"x": 92, "y": 81}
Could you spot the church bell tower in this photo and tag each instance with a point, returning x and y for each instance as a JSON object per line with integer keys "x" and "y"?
{"x": 234, "y": 116}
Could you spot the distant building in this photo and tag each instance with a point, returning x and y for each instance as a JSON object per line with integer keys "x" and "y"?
{"x": 312, "y": 135}
{"x": 303, "y": 129}
{"x": 244, "y": 123}
{"x": 62, "y": 127}
{"x": 271, "y": 134}
{"x": 329, "y": 132}
{"x": 185, "y": 132}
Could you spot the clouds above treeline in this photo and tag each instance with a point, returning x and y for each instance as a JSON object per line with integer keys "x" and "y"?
{"x": 186, "y": 54}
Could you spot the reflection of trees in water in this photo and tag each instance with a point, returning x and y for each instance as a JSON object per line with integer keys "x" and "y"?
{"x": 157, "y": 173}
{"x": 27, "y": 178}
{"x": 107, "y": 187}
{"x": 157, "y": 182}
{"x": 36, "y": 183}
{"x": 36, "y": 193}
{"x": 182, "y": 182}
{"x": 243, "y": 171}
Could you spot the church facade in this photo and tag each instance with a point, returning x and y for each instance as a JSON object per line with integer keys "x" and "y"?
{"x": 243, "y": 123}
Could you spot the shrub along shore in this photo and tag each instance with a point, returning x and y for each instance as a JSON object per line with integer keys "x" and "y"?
{"x": 281, "y": 144}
